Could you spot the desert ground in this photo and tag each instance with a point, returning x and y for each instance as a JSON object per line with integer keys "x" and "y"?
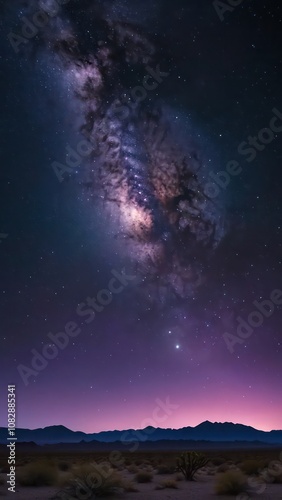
{"x": 240, "y": 475}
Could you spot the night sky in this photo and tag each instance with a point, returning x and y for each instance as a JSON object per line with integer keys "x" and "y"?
{"x": 116, "y": 117}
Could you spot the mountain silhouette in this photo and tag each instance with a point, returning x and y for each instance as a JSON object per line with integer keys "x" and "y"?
{"x": 206, "y": 431}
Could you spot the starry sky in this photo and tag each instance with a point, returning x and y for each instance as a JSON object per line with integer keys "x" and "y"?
{"x": 116, "y": 117}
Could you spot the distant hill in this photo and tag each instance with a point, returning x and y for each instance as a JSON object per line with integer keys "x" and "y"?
{"x": 206, "y": 431}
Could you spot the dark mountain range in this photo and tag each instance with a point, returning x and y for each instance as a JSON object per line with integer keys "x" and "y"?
{"x": 206, "y": 431}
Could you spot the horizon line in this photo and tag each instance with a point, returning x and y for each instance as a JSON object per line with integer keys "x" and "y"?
{"x": 140, "y": 429}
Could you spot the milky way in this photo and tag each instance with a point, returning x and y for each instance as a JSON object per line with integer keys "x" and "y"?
{"x": 164, "y": 92}
{"x": 140, "y": 175}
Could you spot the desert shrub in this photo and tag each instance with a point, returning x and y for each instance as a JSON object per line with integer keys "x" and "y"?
{"x": 91, "y": 481}
{"x": 211, "y": 471}
{"x": 266, "y": 476}
{"x": 189, "y": 463}
{"x": 165, "y": 469}
{"x": 63, "y": 466}
{"x": 132, "y": 468}
{"x": 129, "y": 486}
{"x": 168, "y": 483}
{"x": 155, "y": 462}
{"x": 38, "y": 474}
{"x": 223, "y": 468}
{"x": 251, "y": 467}
{"x": 143, "y": 477}
{"x": 231, "y": 482}
{"x": 147, "y": 468}
{"x": 273, "y": 472}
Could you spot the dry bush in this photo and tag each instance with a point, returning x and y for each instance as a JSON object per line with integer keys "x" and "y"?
{"x": 147, "y": 462}
{"x": 168, "y": 483}
{"x": 231, "y": 482}
{"x": 273, "y": 473}
{"x": 155, "y": 462}
{"x": 64, "y": 466}
{"x": 165, "y": 469}
{"x": 211, "y": 471}
{"x": 129, "y": 486}
{"x": 132, "y": 469}
{"x": 149, "y": 468}
{"x": 93, "y": 480}
{"x": 42, "y": 473}
{"x": 143, "y": 477}
{"x": 190, "y": 462}
{"x": 223, "y": 468}
{"x": 252, "y": 467}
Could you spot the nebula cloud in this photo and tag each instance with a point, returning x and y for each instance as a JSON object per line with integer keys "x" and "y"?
{"x": 143, "y": 179}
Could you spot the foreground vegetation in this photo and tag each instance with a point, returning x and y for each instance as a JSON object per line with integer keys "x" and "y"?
{"x": 98, "y": 474}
